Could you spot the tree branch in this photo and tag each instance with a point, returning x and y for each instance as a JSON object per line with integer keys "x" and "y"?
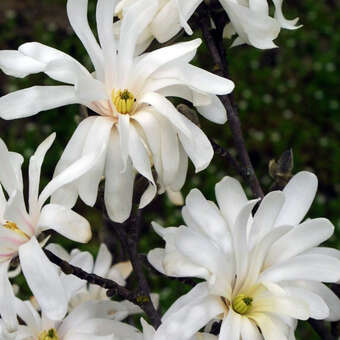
{"x": 215, "y": 48}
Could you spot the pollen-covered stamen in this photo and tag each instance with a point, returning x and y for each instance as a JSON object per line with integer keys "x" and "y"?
{"x": 50, "y": 334}
{"x": 12, "y": 226}
{"x": 242, "y": 303}
{"x": 123, "y": 101}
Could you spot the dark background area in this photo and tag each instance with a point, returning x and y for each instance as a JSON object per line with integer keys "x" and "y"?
{"x": 287, "y": 98}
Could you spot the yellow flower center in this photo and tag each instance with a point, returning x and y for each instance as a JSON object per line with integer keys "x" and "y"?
{"x": 51, "y": 334}
{"x": 123, "y": 101}
{"x": 242, "y": 303}
{"x": 12, "y": 226}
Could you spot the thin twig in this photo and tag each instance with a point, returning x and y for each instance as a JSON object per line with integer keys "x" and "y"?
{"x": 248, "y": 172}
{"x": 112, "y": 287}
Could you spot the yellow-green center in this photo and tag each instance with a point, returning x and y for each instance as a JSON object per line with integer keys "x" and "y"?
{"x": 123, "y": 101}
{"x": 242, "y": 303}
{"x": 50, "y": 334}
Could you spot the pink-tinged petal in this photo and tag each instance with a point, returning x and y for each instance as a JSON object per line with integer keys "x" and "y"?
{"x": 43, "y": 279}
{"x": 65, "y": 222}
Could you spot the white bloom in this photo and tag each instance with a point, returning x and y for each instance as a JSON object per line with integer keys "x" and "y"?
{"x": 86, "y": 322}
{"x": 262, "y": 271}
{"x": 136, "y": 124}
{"x": 249, "y": 19}
{"x": 19, "y": 228}
{"x": 78, "y": 291}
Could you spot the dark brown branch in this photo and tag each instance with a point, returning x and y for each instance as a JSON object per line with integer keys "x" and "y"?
{"x": 112, "y": 287}
{"x": 217, "y": 52}
{"x": 128, "y": 234}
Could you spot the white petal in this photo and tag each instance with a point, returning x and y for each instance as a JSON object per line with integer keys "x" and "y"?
{"x": 30, "y": 101}
{"x": 118, "y": 186}
{"x": 198, "y": 146}
{"x": 318, "y": 308}
{"x": 104, "y": 16}
{"x": 68, "y": 194}
{"x": 271, "y": 328}
{"x": 103, "y": 261}
{"x": 288, "y": 24}
{"x": 299, "y": 194}
{"x": 327, "y": 295}
{"x": 124, "y": 138}
{"x": 266, "y": 215}
{"x": 230, "y": 198}
{"x": 77, "y": 14}
{"x": 166, "y": 108}
{"x": 9, "y": 175}
{"x": 35, "y": 164}
{"x": 179, "y": 180}
{"x": 306, "y": 235}
{"x": 43, "y": 279}
{"x": 97, "y": 139}
{"x": 150, "y": 62}
{"x": 7, "y": 308}
{"x": 208, "y": 218}
{"x": 73, "y": 172}
{"x": 136, "y": 18}
{"x": 28, "y": 314}
{"x": 249, "y": 331}
{"x": 141, "y": 161}
{"x": 65, "y": 222}
{"x": 304, "y": 267}
{"x": 14, "y": 63}
{"x": 148, "y": 331}
{"x": 215, "y": 111}
{"x": 231, "y": 326}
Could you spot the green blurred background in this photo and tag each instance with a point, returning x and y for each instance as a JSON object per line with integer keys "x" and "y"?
{"x": 287, "y": 97}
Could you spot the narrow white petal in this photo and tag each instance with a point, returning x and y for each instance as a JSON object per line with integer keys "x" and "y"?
{"x": 43, "y": 279}
{"x": 71, "y": 173}
{"x": 288, "y": 24}
{"x": 249, "y": 331}
{"x": 30, "y": 101}
{"x": 299, "y": 194}
{"x": 7, "y": 299}
{"x": 231, "y": 326}
{"x": 306, "y": 235}
{"x": 230, "y": 198}
{"x": 97, "y": 139}
{"x": 103, "y": 261}
{"x": 271, "y": 328}
{"x": 124, "y": 138}
{"x": 118, "y": 185}
{"x": 14, "y": 63}
{"x": 68, "y": 194}
{"x": 35, "y": 164}
{"x": 214, "y": 111}
{"x": 65, "y": 222}
{"x": 77, "y": 14}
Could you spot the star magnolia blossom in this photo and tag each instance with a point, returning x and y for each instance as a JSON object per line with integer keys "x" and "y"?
{"x": 20, "y": 228}
{"x": 79, "y": 291}
{"x": 136, "y": 124}
{"x": 86, "y": 322}
{"x": 261, "y": 272}
{"x": 250, "y": 20}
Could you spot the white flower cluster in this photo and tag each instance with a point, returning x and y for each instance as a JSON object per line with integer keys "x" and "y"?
{"x": 260, "y": 272}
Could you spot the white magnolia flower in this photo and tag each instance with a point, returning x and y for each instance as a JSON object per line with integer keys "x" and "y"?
{"x": 20, "y": 227}
{"x": 86, "y": 322}
{"x": 261, "y": 272}
{"x": 249, "y": 19}
{"x": 78, "y": 291}
{"x": 136, "y": 124}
